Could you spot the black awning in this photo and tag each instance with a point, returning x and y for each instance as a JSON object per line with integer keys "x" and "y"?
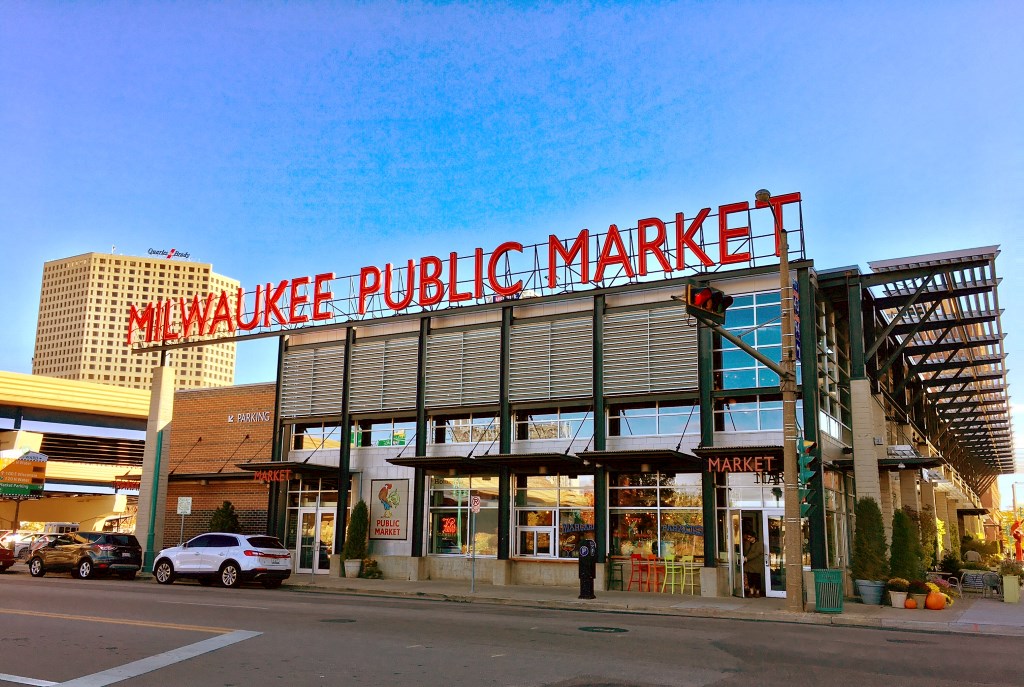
{"x": 296, "y": 466}
{"x": 890, "y": 464}
{"x": 972, "y": 511}
{"x": 644, "y": 460}
{"x": 533, "y": 462}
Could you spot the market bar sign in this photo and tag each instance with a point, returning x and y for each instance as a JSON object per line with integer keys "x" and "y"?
{"x": 758, "y": 464}
{"x": 22, "y": 473}
{"x": 654, "y": 249}
{"x": 388, "y": 509}
{"x": 272, "y": 476}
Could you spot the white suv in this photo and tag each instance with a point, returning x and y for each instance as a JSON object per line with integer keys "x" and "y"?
{"x": 229, "y": 559}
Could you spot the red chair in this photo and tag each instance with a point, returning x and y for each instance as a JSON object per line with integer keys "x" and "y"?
{"x": 653, "y": 566}
{"x": 637, "y": 572}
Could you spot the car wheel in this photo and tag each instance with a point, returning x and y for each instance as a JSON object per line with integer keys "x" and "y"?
{"x": 272, "y": 584}
{"x": 164, "y": 572}
{"x": 35, "y": 567}
{"x": 230, "y": 575}
{"x": 84, "y": 569}
{"x": 207, "y": 580}
{"x": 128, "y": 576}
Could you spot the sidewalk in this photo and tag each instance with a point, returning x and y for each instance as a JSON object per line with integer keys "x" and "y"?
{"x": 970, "y": 615}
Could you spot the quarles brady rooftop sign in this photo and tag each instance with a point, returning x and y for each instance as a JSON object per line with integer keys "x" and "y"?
{"x": 738, "y": 235}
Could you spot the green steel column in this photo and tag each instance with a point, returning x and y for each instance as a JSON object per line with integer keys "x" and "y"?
{"x": 147, "y": 564}
{"x": 706, "y": 384}
{"x": 809, "y": 393}
{"x": 274, "y": 510}
{"x": 419, "y": 499}
{"x": 345, "y": 450}
{"x": 600, "y": 434}
{"x": 505, "y": 439}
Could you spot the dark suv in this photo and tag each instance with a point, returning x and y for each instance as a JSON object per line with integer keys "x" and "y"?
{"x": 87, "y": 554}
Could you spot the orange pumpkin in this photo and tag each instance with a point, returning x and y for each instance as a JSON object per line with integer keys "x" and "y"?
{"x": 909, "y": 603}
{"x": 935, "y": 601}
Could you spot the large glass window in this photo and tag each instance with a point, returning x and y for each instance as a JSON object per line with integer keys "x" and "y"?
{"x": 389, "y": 432}
{"x": 655, "y": 513}
{"x": 757, "y": 319}
{"x": 552, "y": 514}
{"x": 554, "y": 424}
{"x": 465, "y": 429}
{"x": 751, "y": 414}
{"x": 674, "y": 418}
{"x": 316, "y": 436}
{"x": 450, "y": 515}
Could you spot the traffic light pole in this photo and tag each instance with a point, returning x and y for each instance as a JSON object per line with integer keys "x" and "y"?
{"x": 793, "y": 537}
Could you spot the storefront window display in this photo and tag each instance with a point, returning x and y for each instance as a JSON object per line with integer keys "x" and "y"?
{"x": 673, "y": 418}
{"x": 450, "y": 515}
{"x": 655, "y": 513}
{"x": 552, "y": 514}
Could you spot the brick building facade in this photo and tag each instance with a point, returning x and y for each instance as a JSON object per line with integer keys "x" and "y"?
{"x": 215, "y": 430}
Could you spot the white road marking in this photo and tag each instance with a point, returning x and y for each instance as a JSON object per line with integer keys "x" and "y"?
{"x": 148, "y": 665}
{"x": 497, "y": 655}
{"x": 4, "y": 677}
{"x": 196, "y": 603}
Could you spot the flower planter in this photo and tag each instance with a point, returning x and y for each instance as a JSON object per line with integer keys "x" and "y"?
{"x": 352, "y": 567}
{"x": 897, "y": 599}
{"x": 1011, "y": 589}
{"x": 920, "y": 599}
{"x": 870, "y": 591}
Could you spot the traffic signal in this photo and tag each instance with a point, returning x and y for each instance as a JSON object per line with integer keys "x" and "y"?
{"x": 708, "y": 303}
{"x": 805, "y": 461}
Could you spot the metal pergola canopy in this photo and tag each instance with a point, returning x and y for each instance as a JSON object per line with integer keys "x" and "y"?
{"x": 940, "y": 313}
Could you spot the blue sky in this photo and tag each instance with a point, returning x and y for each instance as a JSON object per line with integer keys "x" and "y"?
{"x": 283, "y": 139}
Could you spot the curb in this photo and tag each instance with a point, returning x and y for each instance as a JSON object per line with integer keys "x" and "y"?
{"x": 810, "y": 618}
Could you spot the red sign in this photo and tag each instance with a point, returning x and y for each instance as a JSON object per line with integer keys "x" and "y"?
{"x": 760, "y": 464}
{"x": 272, "y": 475}
{"x": 127, "y": 483}
{"x": 449, "y": 526}
{"x": 655, "y": 249}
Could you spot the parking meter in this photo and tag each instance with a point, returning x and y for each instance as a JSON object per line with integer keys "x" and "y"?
{"x": 588, "y": 568}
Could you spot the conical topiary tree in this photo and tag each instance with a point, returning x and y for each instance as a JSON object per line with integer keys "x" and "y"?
{"x": 225, "y": 519}
{"x": 954, "y": 537}
{"x": 869, "y": 561}
{"x": 357, "y": 538}
{"x": 905, "y": 561}
{"x": 929, "y": 533}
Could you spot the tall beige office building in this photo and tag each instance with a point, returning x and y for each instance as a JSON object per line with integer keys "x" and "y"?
{"x": 83, "y": 320}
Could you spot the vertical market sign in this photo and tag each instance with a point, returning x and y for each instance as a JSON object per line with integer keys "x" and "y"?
{"x": 388, "y": 509}
{"x": 22, "y": 473}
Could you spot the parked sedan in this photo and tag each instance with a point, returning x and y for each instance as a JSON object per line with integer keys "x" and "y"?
{"x": 229, "y": 559}
{"x": 6, "y": 558}
{"x": 85, "y": 554}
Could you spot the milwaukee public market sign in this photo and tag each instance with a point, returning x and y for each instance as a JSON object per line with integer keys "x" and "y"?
{"x": 655, "y": 249}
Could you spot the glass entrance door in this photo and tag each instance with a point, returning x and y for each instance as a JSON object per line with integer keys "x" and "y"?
{"x": 775, "y": 555}
{"x": 316, "y": 541}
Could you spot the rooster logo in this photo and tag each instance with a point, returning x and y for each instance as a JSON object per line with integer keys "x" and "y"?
{"x": 389, "y": 498}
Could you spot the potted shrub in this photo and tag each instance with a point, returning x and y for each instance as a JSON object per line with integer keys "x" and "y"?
{"x": 869, "y": 565}
{"x": 898, "y": 588}
{"x": 1011, "y": 571}
{"x": 357, "y": 540}
{"x": 919, "y": 591}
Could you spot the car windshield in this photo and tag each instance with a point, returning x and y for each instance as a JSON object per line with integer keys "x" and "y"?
{"x": 265, "y": 542}
{"x": 123, "y": 539}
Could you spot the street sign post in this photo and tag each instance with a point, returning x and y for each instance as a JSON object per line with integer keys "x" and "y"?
{"x": 184, "y": 508}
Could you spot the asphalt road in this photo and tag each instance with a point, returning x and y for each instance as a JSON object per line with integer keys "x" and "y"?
{"x": 58, "y": 630}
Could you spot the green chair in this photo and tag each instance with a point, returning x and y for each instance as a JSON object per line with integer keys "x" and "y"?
{"x": 674, "y": 574}
{"x": 615, "y": 574}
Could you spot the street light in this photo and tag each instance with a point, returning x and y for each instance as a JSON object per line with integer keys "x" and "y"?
{"x": 793, "y": 542}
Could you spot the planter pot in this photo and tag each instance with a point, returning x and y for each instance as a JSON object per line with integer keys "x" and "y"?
{"x": 870, "y": 591}
{"x": 920, "y": 599}
{"x": 1011, "y": 589}
{"x": 897, "y": 599}
{"x": 352, "y": 566}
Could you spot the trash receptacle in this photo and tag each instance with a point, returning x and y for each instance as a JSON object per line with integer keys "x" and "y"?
{"x": 588, "y": 568}
{"x": 828, "y": 591}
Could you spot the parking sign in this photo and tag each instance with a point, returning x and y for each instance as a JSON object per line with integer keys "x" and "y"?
{"x": 474, "y": 503}
{"x": 184, "y": 505}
